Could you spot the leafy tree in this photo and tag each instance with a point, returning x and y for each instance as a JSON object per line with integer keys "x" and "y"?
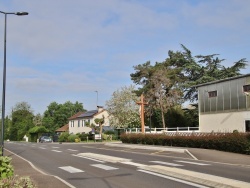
{"x": 177, "y": 76}
{"x": 160, "y": 91}
{"x": 37, "y": 120}
{"x": 22, "y": 121}
{"x": 122, "y": 107}
{"x": 194, "y": 70}
{"x": 57, "y": 114}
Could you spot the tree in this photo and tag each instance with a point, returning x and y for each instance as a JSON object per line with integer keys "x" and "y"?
{"x": 159, "y": 90}
{"x": 100, "y": 122}
{"x": 194, "y": 70}
{"x": 122, "y": 107}
{"x": 176, "y": 77}
{"x": 22, "y": 121}
{"x": 57, "y": 114}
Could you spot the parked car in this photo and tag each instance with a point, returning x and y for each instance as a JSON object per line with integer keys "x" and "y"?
{"x": 45, "y": 139}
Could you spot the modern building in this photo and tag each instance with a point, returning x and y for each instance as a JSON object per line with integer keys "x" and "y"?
{"x": 224, "y": 105}
{"x": 81, "y": 122}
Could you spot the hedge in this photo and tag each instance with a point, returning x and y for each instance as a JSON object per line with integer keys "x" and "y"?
{"x": 231, "y": 142}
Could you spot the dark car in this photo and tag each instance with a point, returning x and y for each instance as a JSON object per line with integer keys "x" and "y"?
{"x": 45, "y": 139}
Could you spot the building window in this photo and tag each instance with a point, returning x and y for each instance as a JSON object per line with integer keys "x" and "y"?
{"x": 78, "y": 123}
{"x": 212, "y": 94}
{"x": 246, "y": 88}
{"x": 247, "y": 123}
{"x": 83, "y": 123}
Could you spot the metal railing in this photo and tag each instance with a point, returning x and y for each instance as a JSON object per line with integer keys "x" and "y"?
{"x": 163, "y": 130}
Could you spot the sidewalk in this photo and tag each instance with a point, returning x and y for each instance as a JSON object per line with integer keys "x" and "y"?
{"x": 24, "y": 168}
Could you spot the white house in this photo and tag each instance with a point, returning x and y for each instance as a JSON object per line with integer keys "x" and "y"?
{"x": 224, "y": 105}
{"x": 78, "y": 122}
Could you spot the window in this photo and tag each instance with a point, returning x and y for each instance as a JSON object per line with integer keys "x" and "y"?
{"x": 247, "y": 123}
{"x": 83, "y": 123}
{"x": 78, "y": 123}
{"x": 246, "y": 88}
{"x": 212, "y": 94}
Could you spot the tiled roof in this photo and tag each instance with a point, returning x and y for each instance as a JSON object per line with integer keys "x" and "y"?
{"x": 63, "y": 128}
{"x": 88, "y": 113}
{"x": 76, "y": 115}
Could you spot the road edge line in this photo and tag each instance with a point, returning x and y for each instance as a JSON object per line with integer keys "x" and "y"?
{"x": 37, "y": 169}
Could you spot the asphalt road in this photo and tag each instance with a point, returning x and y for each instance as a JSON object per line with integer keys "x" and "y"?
{"x": 100, "y": 165}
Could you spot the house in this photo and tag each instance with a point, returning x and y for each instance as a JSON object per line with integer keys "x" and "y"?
{"x": 224, "y": 105}
{"x": 81, "y": 122}
{"x": 64, "y": 128}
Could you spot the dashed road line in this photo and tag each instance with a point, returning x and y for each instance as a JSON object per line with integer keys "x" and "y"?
{"x": 56, "y": 151}
{"x": 72, "y": 150}
{"x": 89, "y": 158}
{"x": 133, "y": 164}
{"x": 104, "y": 167}
{"x": 189, "y": 162}
{"x": 71, "y": 169}
{"x": 166, "y": 163}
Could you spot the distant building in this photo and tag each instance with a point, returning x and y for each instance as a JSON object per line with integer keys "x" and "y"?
{"x": 80, "y": 122}
{"x": 224, "y": 105}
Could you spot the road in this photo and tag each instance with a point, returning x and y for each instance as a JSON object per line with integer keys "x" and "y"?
{"x": 112, "y": 165}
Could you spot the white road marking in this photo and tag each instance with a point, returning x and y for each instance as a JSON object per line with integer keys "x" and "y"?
{"x": 189, "y": 162}
{"x": 42, "y": 148}
{"x": 71, "y": 169}
{"x": 133, "y": 164}
{"x": 56, "y": 151}
{"x": 104, "y": 167}
{"x": 165, "y": 163}
{"x": 174, "y": 179}
{"x": 106, "y": 158}
{"x": 72, "y": 150}
{"x": 55, "y": 147}
{"x": 89, "y": 158}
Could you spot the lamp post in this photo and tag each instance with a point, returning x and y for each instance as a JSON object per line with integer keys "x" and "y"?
{"x": 96, "y": 98}
{"x": 4, "y": 72}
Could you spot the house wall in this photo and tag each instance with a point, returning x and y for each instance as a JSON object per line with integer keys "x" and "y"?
{"x": 224, "y": 122}
{"x": 79, "y": 125}
{"x": 228, "y": 110}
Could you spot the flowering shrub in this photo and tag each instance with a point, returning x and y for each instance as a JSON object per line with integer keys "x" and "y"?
{"x": 17, "y": 182}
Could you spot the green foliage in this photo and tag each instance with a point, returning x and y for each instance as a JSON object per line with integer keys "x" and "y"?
{"x": 73, "y": 138}
{"x": 22, "y": 121}
{"x": 63, "y": 137}
{"x": 38, "y": 129}
{"x": 231, "y": 142}
{"x": 57, "y": 114}
{"x": 82, "y": 136}
{"x": 17, "y": 182}
{"x": 6, "y": 169}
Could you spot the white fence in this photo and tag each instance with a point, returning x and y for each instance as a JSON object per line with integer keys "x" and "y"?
{"x": 163, "y": 130}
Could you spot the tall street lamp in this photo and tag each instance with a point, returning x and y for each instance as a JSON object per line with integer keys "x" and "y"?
{"x": 96, "y": 98}
{"x": 4, "y": 72}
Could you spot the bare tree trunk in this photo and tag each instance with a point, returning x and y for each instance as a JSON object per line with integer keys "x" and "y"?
{"x": 162, "y": 117}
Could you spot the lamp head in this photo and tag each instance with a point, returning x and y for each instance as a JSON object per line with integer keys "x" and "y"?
{"x": 21, "y": 13}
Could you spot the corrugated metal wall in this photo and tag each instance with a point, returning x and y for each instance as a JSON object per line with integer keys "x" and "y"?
{"x": 230, "y": 96}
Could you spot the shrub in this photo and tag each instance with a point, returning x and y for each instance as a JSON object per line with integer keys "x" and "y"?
{"x": 63, "y": 137}
{"x": 6, "y": 169}
{"x": 73, "y": 138}
{"x": 17, "y": 182}
{"x": 232, "y": 142}
{"x": 82, "y": 136}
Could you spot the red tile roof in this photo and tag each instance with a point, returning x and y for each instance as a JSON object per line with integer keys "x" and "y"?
{"x": 76, "y": 115}
{"x": 63, "y": 128}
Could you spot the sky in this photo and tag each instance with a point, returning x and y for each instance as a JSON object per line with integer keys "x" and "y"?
{"x": 66, "y": 50}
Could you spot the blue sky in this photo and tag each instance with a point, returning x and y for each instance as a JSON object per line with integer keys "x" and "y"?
{"x": 65, "y": 50}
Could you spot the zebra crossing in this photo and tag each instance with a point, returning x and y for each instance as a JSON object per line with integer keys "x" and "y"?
{"x": 97, "y": 158}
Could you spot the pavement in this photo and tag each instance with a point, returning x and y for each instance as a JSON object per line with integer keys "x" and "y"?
{"x": 23, "y": 167}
